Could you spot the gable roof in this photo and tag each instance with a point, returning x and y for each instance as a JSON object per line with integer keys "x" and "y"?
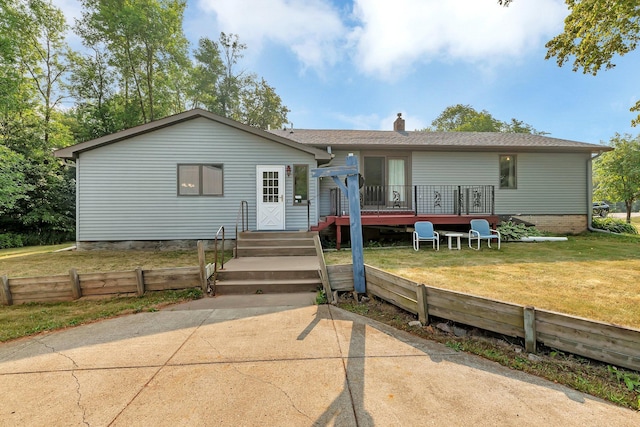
{"x": 435, "y": 141}
{"x": 73, "y": 151}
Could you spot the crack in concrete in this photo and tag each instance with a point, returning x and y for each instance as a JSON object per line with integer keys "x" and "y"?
{"x": 75, "y": 377}
{"x": 235, "y": 368}
{"x": 155, "y": 374}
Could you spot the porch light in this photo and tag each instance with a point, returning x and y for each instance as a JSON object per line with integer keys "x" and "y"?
{"x": 288, "y": 170}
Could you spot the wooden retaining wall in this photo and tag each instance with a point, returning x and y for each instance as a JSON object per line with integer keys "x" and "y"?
{"x": 605, "y": 342}
{"x": 74, "y": 285}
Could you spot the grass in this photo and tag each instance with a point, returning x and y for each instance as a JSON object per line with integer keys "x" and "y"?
{"x": 41, "y": 261}
{"x": 29, "y": 319}
{"x": 596, "y": 276}
{"x": 32, "y": 250}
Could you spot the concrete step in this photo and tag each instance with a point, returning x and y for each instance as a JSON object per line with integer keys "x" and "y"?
{"x": 275, "y": 235}
{"x": 270, "y": 251}
{"x": 268, "y": 275}
{"x": 294, "y": 242}
{"x": 244, "y": 287}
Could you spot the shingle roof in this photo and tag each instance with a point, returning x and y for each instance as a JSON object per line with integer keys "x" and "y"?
{"x": 73, "y": 151}
{"x": 435, "y": 141}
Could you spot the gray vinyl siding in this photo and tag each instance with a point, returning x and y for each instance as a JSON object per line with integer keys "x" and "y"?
{"x": 547, "y": 183}
{"x": 128, "y": 190}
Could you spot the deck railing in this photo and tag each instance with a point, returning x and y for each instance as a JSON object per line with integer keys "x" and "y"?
{"x": 419, "y": 199}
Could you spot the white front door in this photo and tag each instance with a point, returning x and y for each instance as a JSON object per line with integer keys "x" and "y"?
{"x": 270, "y": 204}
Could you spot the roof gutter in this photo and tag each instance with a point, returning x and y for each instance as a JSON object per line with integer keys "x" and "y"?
{"x": 590, "y": 195}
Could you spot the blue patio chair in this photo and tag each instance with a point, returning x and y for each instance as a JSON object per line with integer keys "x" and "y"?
{"x": 424, "y": 233}
{"x": 480, "y": 231}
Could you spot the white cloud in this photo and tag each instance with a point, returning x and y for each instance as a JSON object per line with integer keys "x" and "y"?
{"x": 393, "y": 36}
{"x": 312, "y": 29}
{"x": 387, "y": 39}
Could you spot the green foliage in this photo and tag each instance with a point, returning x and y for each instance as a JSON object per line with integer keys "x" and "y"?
{"x": 146, "y": 46}
{"x": 13, "y": 183}
{"x": 614, "y": 225}
{"x": 632, "y": 381}
{"x": 321, "y": 297}
{"x": 510, "y": 230}
{"x": 454, "y": 345}
{"x": 239, "y": 96}
{"x": 594, "y": 32}
{"x": 10, "y": 240}
{"x": 464, "y": 118}
{"x": 617, "y": 172}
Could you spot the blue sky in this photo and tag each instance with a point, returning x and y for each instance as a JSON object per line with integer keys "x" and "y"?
{"x": 356, "y": 64}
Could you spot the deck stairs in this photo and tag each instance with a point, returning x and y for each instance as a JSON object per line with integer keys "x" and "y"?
{"x": 271, "y": 262}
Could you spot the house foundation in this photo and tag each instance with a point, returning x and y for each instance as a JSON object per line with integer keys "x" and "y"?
{"x": 150, "y": 245}
{"x": 560, "y": 224}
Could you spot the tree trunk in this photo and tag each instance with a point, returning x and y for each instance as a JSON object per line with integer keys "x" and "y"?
{"x": 628, "y": 204}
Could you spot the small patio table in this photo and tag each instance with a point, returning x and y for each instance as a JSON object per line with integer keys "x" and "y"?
{"x": 450, "y": 235}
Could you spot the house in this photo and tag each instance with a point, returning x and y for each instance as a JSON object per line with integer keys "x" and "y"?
{"x": 182, "y": 177}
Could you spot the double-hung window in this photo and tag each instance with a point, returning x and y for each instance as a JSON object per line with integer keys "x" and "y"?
{"x": 200, "y": 180}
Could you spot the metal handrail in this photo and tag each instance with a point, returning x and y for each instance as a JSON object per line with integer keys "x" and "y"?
{"x": 243, "y": 217}
{"x": 419, "y": 199}
{"x": 212, "y": 285}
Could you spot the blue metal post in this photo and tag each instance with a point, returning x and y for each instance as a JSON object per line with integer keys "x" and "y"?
{"x": 355, "y": 224}
{"x": 352, "y": 190}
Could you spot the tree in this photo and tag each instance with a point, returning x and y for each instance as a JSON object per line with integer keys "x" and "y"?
{"x": 617, "y": 172}
{"x": 594, "y": 33}
{"x": 146, "y": 45}
{"x": 37, "y": 197}
{"x": 260, "y": 105}
{"x": 464, "y": 118}
{"x": 237, "y": 95}
{"x": 92, "y": 85}
{"x": 13, "y": 185}
{"x": 42, "y": 28}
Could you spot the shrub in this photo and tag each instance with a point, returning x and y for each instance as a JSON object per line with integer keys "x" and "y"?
{"x": 10, "y": 240}
{"x": 509, "y": 230}
{"x": 614, "y": 225}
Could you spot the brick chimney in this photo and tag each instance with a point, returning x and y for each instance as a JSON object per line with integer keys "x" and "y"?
{"x": 398, "y": 125}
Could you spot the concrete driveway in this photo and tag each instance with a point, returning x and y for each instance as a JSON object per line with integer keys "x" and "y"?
{"x": 225, "y": 362}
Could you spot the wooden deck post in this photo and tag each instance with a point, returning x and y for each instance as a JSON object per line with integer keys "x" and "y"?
{"x": 423, "y": 310}
{"x": 530, "y": 329}
{"x": 139, "y": 282}
{"x": 76, "y": 290}
{"x": 202, "y": 266}
{"x": 7, "y": 299}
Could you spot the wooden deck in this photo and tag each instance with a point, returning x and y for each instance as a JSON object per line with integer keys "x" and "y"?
{"x": 400, "y": 219}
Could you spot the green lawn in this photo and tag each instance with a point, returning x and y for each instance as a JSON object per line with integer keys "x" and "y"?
{"x": 596, "y": 276}
{"x": 28, "y": 319}
{"x": 42, "y": 261}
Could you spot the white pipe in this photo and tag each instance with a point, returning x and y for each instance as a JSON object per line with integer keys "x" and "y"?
{"x": 543, "y": 239}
